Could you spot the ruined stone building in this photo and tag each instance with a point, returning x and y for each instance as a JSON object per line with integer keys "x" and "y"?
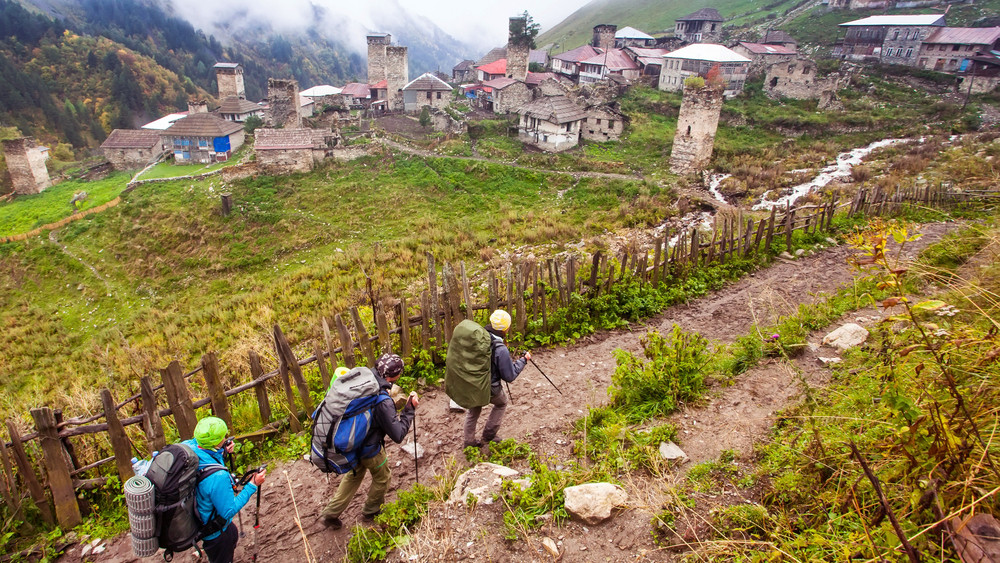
{"x": 517, "y": 51}
{"x": 390, "y": 63}
{"x": 603, "y": 123}
{"x": 696, "y": 126}
{"x": 297, "y": 150}
{"x": 129, "y": 149}
{"x": 229, "y": 77}
{"x": 504, "y": 95}
{"x": 426, "y": 90}
{"x": 551, "y": 123}
{"x": 604, "y": 36}
{"x": 700, "y": 59}
{"x": 762, "y": 55}
{"x": 632, "y": 37}
{"x": 284, "y": 106}
{"x": 798, "y": 79}
{"x": 703, "y": 26}
{"x": 26, "y": 165}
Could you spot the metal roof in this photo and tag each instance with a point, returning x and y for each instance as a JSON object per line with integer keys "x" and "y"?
{"x": 538, "y": 56}
{"x": 226, "y": 65}
{"x": 613, "y": 59}
{"x": 427, "y": 81}
{"x": 764, "y": 49}
{"x": 631, "y": 33}
{"x": 579, "y": 54}
{"x": 554, "y": 109}
{"x": 495, "y": 67}
{"x": 707, "y": 52}
{"x": 356, "y": 90}
{"x": 965, "y": 35}
{"x": 203, "y": 125}
{"x": 165, "y": 121}
{"x": 500, "y": 83}
{"x": 914, "y": 19}
{"x": 131, "y": 139}
{"x": 321, "y": 90}
{"x": 704, "y": 14}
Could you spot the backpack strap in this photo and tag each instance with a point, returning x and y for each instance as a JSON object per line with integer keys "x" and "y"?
{"x": 216, "y": 523}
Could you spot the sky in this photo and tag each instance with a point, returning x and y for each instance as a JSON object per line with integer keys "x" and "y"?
{"x": 479, "y": 24}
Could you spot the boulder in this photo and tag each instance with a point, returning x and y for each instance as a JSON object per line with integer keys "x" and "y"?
{"x": 593, "y": 502}
{"x": 847, "y": 336}
{"x": 408, "y": 449}
{"x": 482, "y": 481}
{"x": 786, "y": 256}
{"x": 671, "y": 451}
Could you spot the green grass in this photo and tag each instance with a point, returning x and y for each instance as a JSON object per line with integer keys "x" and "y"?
{"x": 27, "y": 212}
{"x": 168, "y": 169}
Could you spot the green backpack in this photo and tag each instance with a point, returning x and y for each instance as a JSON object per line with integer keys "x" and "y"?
{"x": 467, "y": 367}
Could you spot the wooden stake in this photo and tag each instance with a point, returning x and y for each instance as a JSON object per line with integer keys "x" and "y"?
{"x": 363, "y": 340}
{"x": 286, "y": 356}
{"x": 27, "y": 473}
{"x": 60, "y": 482}
{"x": 382, "y": 325}
{"x": 260, "y": 389}
{"x": 346, "y": 344}
{"x": 216, "y": 392}
{"x": 179, "y": 400}
{"x": 151, "y": 422}
{"x": 120, "y": 443}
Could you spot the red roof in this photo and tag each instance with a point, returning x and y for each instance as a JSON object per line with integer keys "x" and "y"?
{"x": 538, "y": 77}
{"x": 765, "y": 49}
{"x": 614, "y": 59}
{"x": 965, "y": 35}
{"x": 357, "y": 90}
{"x": 579, "y": 54}
{"x": 496, "y": 67}
{"x": 380, "y": 85}
{"x": 500, "y": 83}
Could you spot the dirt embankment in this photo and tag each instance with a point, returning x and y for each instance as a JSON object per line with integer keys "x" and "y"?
{"x": 733, "y": 417}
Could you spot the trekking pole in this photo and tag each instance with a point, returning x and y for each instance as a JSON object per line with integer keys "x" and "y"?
{"x": 509, "y": 396}
{"x": 256, "y": 524}
{"x": 232, "y": 471}
{"x": 545, "y": 376}
{"x": 416, "y": 466}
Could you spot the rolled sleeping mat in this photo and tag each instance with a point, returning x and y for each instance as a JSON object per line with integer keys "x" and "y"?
{"x": 140, "y": 500}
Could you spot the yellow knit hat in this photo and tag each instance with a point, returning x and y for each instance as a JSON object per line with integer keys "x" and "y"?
{"x": 500, "y": 320}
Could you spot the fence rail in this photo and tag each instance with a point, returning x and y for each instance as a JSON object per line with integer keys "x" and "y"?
{"x": 531, "y": 291}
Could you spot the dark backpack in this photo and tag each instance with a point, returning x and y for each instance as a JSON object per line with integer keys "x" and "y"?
{"x": 175, "y": 476}
{"x": 342, "y": 422}
{"x": 468, "y": 366}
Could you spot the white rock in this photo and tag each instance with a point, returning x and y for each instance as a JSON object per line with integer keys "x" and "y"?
{"x": 847, "y": 336}
{"x": 550, "y": 547}
{"x": 408, "y": 448}
{"x": 800, "y": 252}
{"x": 86, "y": 549}
{"x": 482, "y": 481}
{"x": 593, "y": 502}
{"x": 786, "y": 256}
{"x": 828, "y": 361}
{"x": 671, "y": 451}
{"x": 831, "y": 241}
{"x": 454, "y": 407}
{"x": 99, "y": 549}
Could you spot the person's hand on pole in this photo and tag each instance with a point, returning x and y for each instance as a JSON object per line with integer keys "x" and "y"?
{"x": 527, "y": 356}
{"x": 413, "y": 399}
{"x": 258, "y": 478}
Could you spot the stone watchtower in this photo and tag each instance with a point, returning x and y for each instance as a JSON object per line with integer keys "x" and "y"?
{"x": 284, "y": 109}
{"x": 229, "y": 77}
{"x": 377, "y": 42}
{"x": 26, "y": 165}
{"x": 696, "y": 126}
{"x": 397, "y": 74}
{"x": 517, "y": 51}
{"x": 604, "y": 36}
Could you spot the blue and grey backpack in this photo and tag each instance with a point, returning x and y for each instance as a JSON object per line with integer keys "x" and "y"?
{"x": 342, "y": 421}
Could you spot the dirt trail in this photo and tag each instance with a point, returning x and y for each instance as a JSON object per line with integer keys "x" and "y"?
{"x": 733, "y": 417}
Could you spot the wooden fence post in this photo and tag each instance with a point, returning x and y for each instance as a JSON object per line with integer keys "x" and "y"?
{"x": 425, "y": 320}
{"x": 216, "y": 392}
{"x": 179, "y": 399}
{"x": 493, "y": 290}
{"x": 7, "y": 483}
{"x": 27, "y": 473}
{"x": 363, "y": 340}
{"x": 382, "y": 326}
{"x": 328, "y": 339}
{"x": 346, "y": 344}
{"x": 454, "y": 298}
{"x": 510, "y": 289}
{"x": 789, "y": 227}
{"x": 466, "y": 294}
{"x": 595, "y": 266}
{"x": 324, "y": 372}
{"x": 287, "y": 357}
{"x": 151, "y": 419}
{"x": 694, "y": 247}
{"x": 522, "y": 313}
{"x": 260, "y": 389}
{"x": 60, "y": 481}
{"x": 432, "y": 289}
{"x": 403, "y": 321}
{"x": 120, "y": 443}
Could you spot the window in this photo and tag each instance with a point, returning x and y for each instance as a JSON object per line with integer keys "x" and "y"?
{"x": 202, "y": 143}
{"x": 909, "y": 52}
{"x": 611, "y": 123}
{"x": 598, "y": 120}
{"x": 569, "y": 127}
{"x": 895, "y": 35}
{"x": 955, "y": 47}
{"x": 439, "y": 95}
{"x": 428, "y": 95}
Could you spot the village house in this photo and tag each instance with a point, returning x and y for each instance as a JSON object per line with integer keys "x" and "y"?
{"x": 539, "y": 58}
{"x": 886, "y": 39}
{"x": 238, "y": 109}
{"x": 551, "y": 123}
{"x": 426, "y": 90}
{"x": 610, "y": 62}
{"x": 203, "y": 138}
{"x": 297, "y": 150}
{"x": 568, "y": 63}
{"x": 949, "y": 49}
{"x": 778, "y": 37}
{"x": 464, "y": 71}
{"x": 602, "y": 123}
{"x": 762, "y": 55}
{"x": 26, "y": 165}
{"x": 548, "y": 84}
{"x": 649, "y": 59}
{"x": 162, "y": 123}
{"x": 799, "y": 79}
{"x": 983, "y": 74}
{"x": 128, "y": 149}
{"x": 489, "y": 71}
{"x": 504, "y": 95}
{"x": 358, "y": 95}
{"x": 632, "y": 37}
{"x": 703, "y": 26}
{"x": 698, "y": 60}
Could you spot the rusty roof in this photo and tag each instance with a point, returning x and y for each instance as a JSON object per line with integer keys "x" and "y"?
{"x": 704, "y": 14}
{"x": 965, "y": 35}
{"x": 538, "y": 77}
{"x": 279, "y": 139}
{"x": 764, "y": 49}
{"x": 579, "y": 54}
{"x": 203, "y": 125}
{"x": 357, "y": 90}
{"x": 613, "y": 59}
{"x": 131, "y": 139}
{"x": 500, "y": 83}
{"x": 554, "y": 109}
{"x": 427, "y": 81}
{"x": 237, "y": 105}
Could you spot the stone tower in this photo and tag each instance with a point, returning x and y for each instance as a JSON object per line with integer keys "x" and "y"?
{"x": 397, "y": 74}
{"x": 696, "y": 126}
{"x": 229, "y": 77}
{"x": 604, "y": 36}
{"x": 377, "y": 42}
{"x": 283, "y": 100}
{"x": 26, "y": 165}
{"x": 517, "y": 52}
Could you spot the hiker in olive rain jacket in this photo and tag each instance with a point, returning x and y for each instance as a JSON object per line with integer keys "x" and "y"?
{"x": 502, "y": 368}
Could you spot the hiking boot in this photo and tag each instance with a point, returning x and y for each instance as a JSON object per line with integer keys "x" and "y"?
{"x": 370, "y": 517}
{"x": 493, "y": 440}
{"x": 476, "y": 444}
{"x": 333, "y": 522}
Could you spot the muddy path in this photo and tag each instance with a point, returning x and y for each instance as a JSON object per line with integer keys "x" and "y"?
{"x": 733, "y": 417}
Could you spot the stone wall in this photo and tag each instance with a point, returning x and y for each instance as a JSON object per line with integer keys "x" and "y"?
{"x": 376, "y": 57}
{"x": 132, "y": 159}
{"x": 696, "y": 126}
{"x": 511, "y": 98}
{"x": 797, "y": 79}
{"x": 982, "y": 84}
{"x": 604, "y": 36}
{"x": 230, "y": 82}
{"x": 602, "y": 125}
{"x": 26, "y": 166}
{"x": 296, "y": 160}
{"x": 517, "y": 62}
{"x": 397, "y": 75}
{"x": 283, "y": 102}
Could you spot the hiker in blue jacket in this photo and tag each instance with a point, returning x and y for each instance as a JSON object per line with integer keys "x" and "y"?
{"x": 217, "y": 499}
{"x": 502, "y": 368}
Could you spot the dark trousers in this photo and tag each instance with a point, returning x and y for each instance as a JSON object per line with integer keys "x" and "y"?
{"x": 220, "y": 549}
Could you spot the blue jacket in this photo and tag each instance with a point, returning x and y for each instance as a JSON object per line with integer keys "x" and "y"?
{"x": 215, "y": 492}
{"x": 503, "y": 367}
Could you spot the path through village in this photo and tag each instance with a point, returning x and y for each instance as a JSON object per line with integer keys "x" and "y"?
{"x": 733, "y": 417}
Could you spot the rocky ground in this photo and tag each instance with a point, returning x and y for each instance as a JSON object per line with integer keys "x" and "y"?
{"x": 732, "y": 417}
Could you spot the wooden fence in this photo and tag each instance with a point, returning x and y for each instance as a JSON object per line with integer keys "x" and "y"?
{"x": 531, "y": 291}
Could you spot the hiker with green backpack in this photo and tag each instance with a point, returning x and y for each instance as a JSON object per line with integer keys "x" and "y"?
{"x": 478, "y": 361}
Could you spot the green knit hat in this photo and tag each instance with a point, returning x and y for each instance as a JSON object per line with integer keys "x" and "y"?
{"x": 210, "y": 432}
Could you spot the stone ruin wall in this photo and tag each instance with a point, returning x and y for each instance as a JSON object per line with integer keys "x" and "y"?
{"x": 283, "y": 102}
{"x": 397, "y": 74}
{"x": 376, "y": 57}
{"x": 230, "y": 83}
{"x": 517, "y": 62}
{"x": 696, "y": 127}
{"x": 604, "y": 36}
{"x": 26, "y": 166}
{"x": 797, "y": 79}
